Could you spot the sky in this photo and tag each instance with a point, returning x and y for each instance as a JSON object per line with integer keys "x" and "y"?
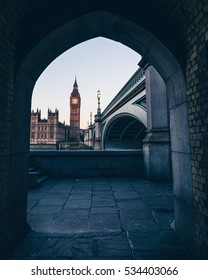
{"x": 97, "y": 64}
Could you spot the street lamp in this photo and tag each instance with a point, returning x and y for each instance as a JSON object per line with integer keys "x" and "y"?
{"x": 98, "y": 98}
{"x": 98, "y": 94}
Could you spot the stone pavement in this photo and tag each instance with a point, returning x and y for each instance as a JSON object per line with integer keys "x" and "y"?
{"x": 103, "y": 218}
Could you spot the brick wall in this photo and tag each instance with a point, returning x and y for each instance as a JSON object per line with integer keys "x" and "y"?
{"x": 197, "y": 96}
{"x": 6, "y": 95}
{"x": 9, "y": 30}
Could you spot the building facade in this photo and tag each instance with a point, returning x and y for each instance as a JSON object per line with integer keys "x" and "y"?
{"x": 47, "y": 131}
{"x": 51, "y": 131}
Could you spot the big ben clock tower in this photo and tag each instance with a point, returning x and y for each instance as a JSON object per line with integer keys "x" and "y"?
{"x": 75, "y": 103}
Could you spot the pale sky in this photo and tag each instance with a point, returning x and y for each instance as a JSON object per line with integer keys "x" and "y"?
{"x": 98, "y": 64}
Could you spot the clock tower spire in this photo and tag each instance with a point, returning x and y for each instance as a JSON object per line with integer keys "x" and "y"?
{"x": 75, "y": 104}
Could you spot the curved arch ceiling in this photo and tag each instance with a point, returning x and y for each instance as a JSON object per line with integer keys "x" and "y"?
{"x": 125, "y": 132}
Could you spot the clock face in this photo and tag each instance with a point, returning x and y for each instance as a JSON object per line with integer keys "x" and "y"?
{"x": 74, "y": 101}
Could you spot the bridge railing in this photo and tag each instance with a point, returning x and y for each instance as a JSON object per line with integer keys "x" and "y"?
{"x": 137, "y": 78}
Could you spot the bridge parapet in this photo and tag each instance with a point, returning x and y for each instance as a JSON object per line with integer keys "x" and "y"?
{"x": 131, "y": 85}
{"x": 127, "y": 101}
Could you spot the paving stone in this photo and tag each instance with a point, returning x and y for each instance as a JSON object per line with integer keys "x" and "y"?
{"x": 120, "y": 181}
{"x": 102, "y": 192}
{"x": 100, "y": 181}
{"x": 67, "y": 248}
{"x": 135, "y": 215}
{"x": 156, "y": 201}
{"x": 77, "y": 191}
{"x": 74, "y": 213}
{"x": 143, "y": 242}
{"x": 70, "y": 225}
{"x": 104, "y": 210}
{"x": 163, "y": 216}
{"x": 77, "y": 204}
{"x": 102, "y": 188}
{"x": 58, "y": 195}
{"x": 154, "y": 242}
{"x": 125, "y": 195}
{"x": 41, "y": 223}
{"x": 49, "y": 183}
{"x": 103, "y": 200}
{"x": 86, "y": 188}
{"x": 52, "y": 202}
{"x": 71, "y": 221}
{"x": 104, "y": 223}
{"x": 132, "y": 205}
{"x": 157, "y": 191}
{"x": 83, "y": 184}
{"x": 142, "y": 234}
{"x": 114, "y": 247}
{"x": 122, "y": 188}
{"x": 79, "y": 196}
{"x": 83, "y": 187}
{"x": 44, "y": 188}
{"x": 45, "y": 209}
{"x": 138, "y": 224}
{"x": 61, "y": 189}
{"x": 36, "y": 195}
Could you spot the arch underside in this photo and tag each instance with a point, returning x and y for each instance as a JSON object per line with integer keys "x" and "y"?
{"x": 125, "y": 133}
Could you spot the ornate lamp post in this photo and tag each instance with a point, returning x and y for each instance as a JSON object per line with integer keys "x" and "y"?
{"x": 98, "y": 125}
{"x": 98, "y": 98}
{"x": 90, "y": 132}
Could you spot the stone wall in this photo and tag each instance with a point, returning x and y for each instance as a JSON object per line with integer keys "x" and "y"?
{"x": 79, "y": 164}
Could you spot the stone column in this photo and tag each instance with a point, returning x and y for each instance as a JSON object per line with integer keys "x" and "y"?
{"x": 98, "y": 132}
{"x": 90, "y": 136}
{"x": 156, "y": 147}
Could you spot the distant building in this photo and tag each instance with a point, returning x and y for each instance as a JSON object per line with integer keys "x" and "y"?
{"x": 47, "y": 131}
{"x": 51, "y": 132}
{"x": 75, "y": 105}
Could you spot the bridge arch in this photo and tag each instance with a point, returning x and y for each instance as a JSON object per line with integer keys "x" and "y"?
{"x": 140, "y": 40}
{"x": 123, "y": 131}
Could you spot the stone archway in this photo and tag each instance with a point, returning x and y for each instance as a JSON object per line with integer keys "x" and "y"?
{"x": 141, "y": 41}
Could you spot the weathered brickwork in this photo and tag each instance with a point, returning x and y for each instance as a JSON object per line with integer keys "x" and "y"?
{"x": 8, "y": 36}
{"x": 6, "y": 95}
{"x": 190, "y": 19}
{"x": 197, "y": 84}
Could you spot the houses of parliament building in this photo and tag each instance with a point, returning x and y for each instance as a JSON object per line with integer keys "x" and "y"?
{"x": 50, "y": 132}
